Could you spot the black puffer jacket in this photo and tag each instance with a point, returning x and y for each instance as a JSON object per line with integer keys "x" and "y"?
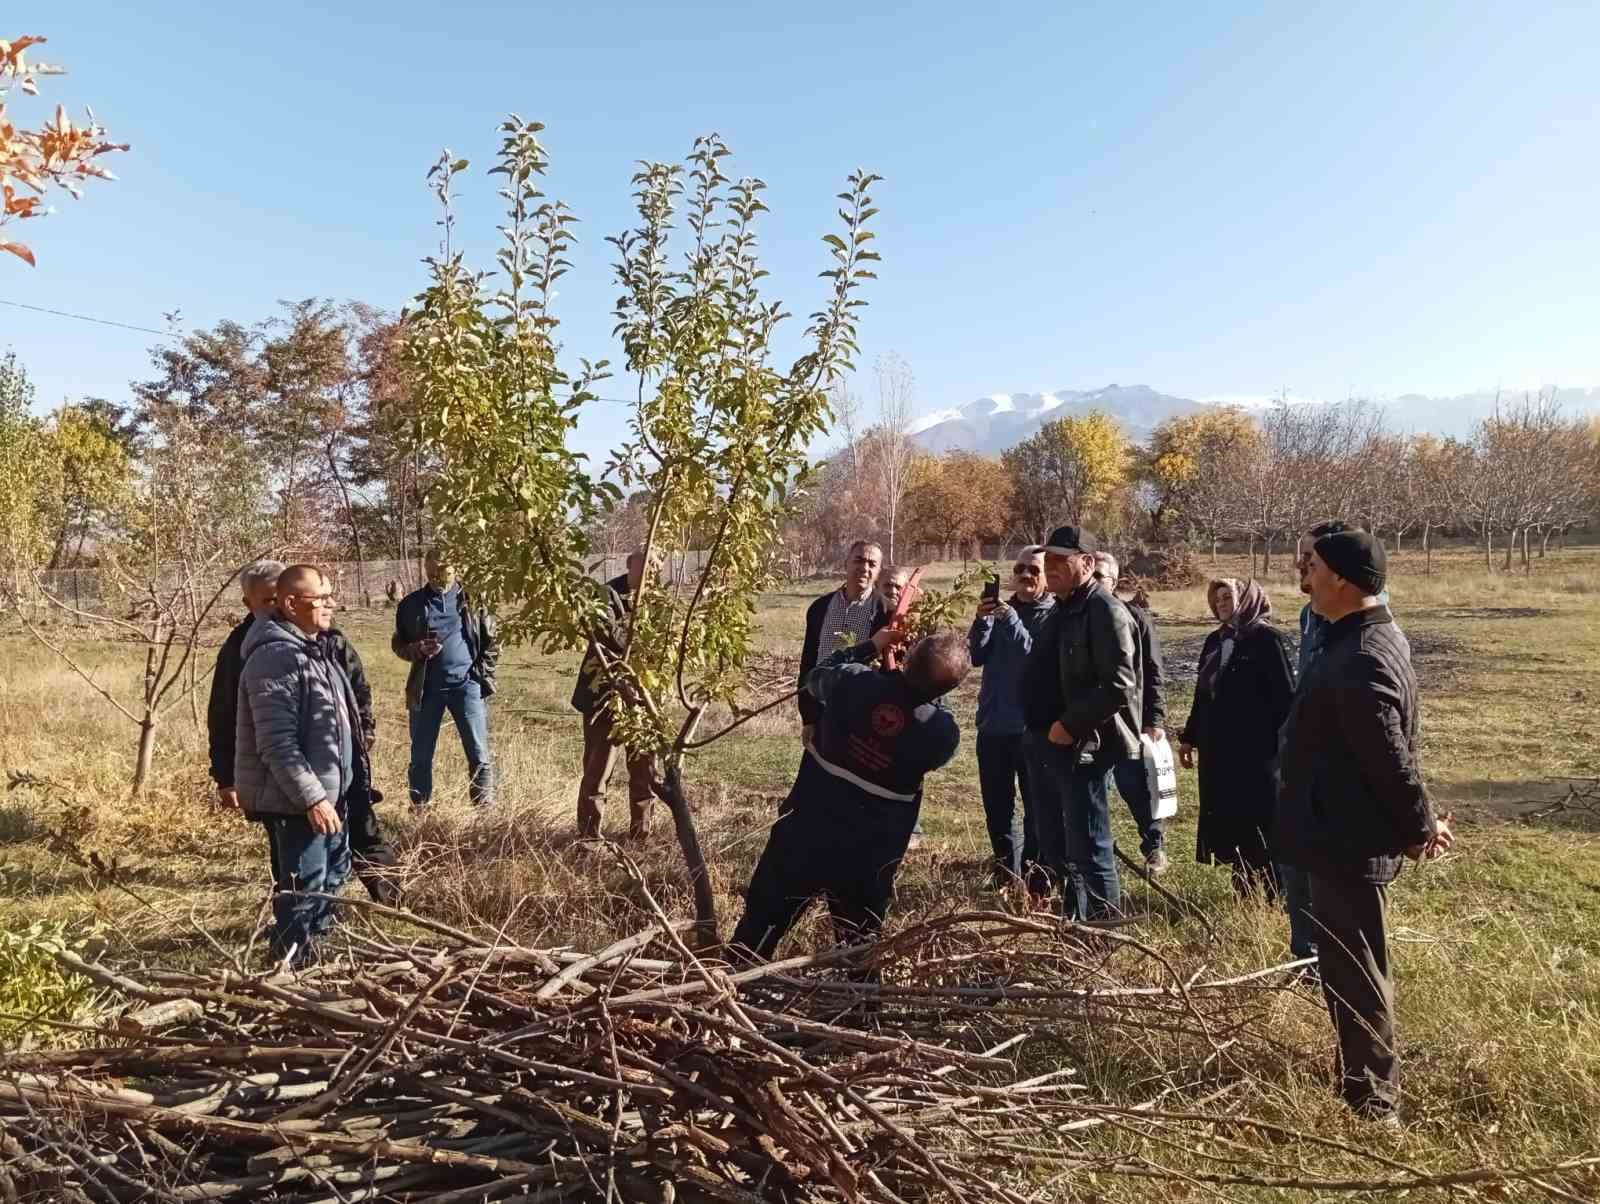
{"x": 1350, "y": 792}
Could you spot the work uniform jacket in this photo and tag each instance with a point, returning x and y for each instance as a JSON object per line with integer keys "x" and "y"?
{"x": 1350, "y": 796}
{"x": 877, "y": 738}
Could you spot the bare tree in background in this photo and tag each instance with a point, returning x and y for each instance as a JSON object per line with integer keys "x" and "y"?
{"x": 896, "y": 388}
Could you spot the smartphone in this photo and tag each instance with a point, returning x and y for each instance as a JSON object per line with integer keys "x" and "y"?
{"x": 991, "y": 590}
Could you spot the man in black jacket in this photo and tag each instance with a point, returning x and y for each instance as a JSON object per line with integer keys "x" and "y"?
{"x": 1351, "y": 804}
{"x": 374, "y": 859}
{"x": 454, "y": 653}
{"x": 1132, "y": 775}
{"x": 854, "y": 610}
{"x": 588, "y": 699}
{"x": 1081, "y": 703}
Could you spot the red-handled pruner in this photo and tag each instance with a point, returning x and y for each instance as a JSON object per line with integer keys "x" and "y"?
{"x": 908, "y": 598}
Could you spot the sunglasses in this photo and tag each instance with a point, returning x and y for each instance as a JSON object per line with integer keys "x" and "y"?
{"x": 1025, "y": 570}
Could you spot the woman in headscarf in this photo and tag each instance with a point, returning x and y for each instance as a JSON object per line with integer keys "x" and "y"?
{"x": 1241, "y": 699}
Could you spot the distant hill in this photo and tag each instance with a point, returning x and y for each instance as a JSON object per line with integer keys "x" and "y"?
{"x": 992, "y": 424}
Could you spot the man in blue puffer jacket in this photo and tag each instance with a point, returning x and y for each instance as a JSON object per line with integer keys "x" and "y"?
{"x": 295, "y": 756}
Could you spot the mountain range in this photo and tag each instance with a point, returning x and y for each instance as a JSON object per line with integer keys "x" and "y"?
{"x": 994, "y": 423}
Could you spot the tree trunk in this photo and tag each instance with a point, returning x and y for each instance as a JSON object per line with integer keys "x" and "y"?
{"x": 1399, "y": 539}
{"x": 670, "y": 791}
{"x": 1427, "y": 552}
{"x": 1510, "y": 544}
{"x": 147, "y": 752}
{"x": 1527, "y": 566}
{"x": 1213, "y": 551}
{"x": 355, "y": 527}
{"x": 1266, "y": 558}
{"x": 1488, "y": 548}
{"x": 1544, "y": 543}
{"x": 1252, "y": 553}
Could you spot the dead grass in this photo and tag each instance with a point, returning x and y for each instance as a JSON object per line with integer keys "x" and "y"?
{"x": 1498, "y": 946}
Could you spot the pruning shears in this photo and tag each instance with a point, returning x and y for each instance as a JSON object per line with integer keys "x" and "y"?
{"x": 908, "y": 598}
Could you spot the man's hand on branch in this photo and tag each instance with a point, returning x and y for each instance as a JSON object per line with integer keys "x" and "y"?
{"x": 892, "y": 636}
{"x": 324, "y": 819}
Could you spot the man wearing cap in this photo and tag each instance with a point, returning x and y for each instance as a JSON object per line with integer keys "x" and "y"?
{"x": 844, "y": 827}
{"x": 1351, "y": 804}
{"x": 1081, "y": 689}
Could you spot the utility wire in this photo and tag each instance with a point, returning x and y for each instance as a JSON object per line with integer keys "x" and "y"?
{"x": 61, "y": 313}
{"x": 167, "y": 334}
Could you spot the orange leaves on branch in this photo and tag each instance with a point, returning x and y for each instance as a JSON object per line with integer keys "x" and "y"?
{"x": 58, "y": 153}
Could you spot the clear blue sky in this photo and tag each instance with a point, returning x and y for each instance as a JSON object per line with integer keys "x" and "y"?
{"x": 1210, "y": 199}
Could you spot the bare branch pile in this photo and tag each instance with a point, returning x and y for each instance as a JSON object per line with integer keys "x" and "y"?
{"x": 937, "y": 1066}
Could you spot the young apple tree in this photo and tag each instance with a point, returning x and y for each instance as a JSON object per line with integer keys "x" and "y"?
{"x": 717, "y": 439}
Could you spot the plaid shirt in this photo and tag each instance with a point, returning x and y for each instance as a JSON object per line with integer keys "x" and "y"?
{"x": 854, "y": 619}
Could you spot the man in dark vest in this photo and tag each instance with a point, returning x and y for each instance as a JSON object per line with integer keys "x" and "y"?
{"x": 1351, "y": 805}
{"x": 588, "y": 698}
{"x": 844, "y": 827}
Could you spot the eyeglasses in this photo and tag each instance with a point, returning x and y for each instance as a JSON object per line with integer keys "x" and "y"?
{"x": 1025, "y": 570}
{"x": 1099, "y": 576}
{"x": 319, "y": 601}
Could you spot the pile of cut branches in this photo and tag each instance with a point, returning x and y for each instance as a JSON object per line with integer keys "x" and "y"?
{"x": 936, "y": 1065}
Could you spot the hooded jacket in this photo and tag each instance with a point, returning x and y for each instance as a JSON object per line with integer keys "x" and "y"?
{"x": 296, "y": 744}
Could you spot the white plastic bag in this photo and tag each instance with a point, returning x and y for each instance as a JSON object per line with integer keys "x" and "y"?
{"x": 1162, "y": 771}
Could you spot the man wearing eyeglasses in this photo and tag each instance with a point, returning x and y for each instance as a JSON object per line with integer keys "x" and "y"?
{"x": 1000, "y": 639}
{"x": 294, "y": 758}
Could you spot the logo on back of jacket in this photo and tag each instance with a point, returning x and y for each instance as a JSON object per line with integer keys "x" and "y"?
{"x": 876, "y": 752}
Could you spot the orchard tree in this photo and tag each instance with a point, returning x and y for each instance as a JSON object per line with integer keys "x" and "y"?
{"x": 95, "y": 479}
{"x": 1071, "y": 466}
{"x": 718, "y": 436}
{"x": 58, "y": 154}
{"x": 29, "y": 481}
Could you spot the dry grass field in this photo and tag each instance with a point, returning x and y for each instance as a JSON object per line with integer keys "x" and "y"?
{"x": 1498, "y": 944}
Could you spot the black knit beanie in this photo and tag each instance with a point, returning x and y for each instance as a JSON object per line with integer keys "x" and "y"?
{"x": 1357, "y": 557}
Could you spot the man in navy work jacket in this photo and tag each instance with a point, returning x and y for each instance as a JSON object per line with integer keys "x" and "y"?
{"x": 453, "y": 652}
{"x": 844, "y": 827}
{"x": 1001, "y": 637}
{"x": 1351, "y": 804}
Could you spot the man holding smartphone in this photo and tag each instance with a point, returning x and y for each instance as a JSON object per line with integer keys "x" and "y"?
{"x": 453, "y": 652}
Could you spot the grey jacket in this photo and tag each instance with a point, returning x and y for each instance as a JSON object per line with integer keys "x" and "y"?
{"x": 294, "y": 744}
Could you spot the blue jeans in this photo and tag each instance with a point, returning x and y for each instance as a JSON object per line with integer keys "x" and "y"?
{"x": 1074, "y": 828}
{"x": 1133, "y": 784}
{"x": 304, "y": 860}
{"x": 1296, "y": 885}
{"x": 466, "y": 706}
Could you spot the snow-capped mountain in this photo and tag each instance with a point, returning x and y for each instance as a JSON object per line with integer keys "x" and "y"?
{"x": 992, "y": 424}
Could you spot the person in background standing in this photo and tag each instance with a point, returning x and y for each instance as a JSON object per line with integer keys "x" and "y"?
{"x": 1000, "y": 640}
{"x": 1081, "y": 703}
{"x": 589, "y": 699}
{"x": 1132, "y": 775}
{"x": 854, "y": 610}
{"x": 294, "y": 758}
{"x": 1241, "y": 699}
{"x": 1351, "y": 804}
{"x": 259, "y": 583}
{"x": 453, "y": 652}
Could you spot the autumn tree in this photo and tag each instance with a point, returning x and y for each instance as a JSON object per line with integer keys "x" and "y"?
{"x": 95, "y": 473}
{"x": 893, "y": 451}
{"x": 958, "y": 502}
{"x": 29, "y": 472}
{"x": 718, "y": 439}
{"x": 58, "y": 154}
{"x": 1066, "y": 469}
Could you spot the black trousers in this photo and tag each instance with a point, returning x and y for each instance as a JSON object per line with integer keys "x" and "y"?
{"x": 1002, "y": 770}
{"x": 1353, "y": 955}
{"x": 845, "y": 850}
